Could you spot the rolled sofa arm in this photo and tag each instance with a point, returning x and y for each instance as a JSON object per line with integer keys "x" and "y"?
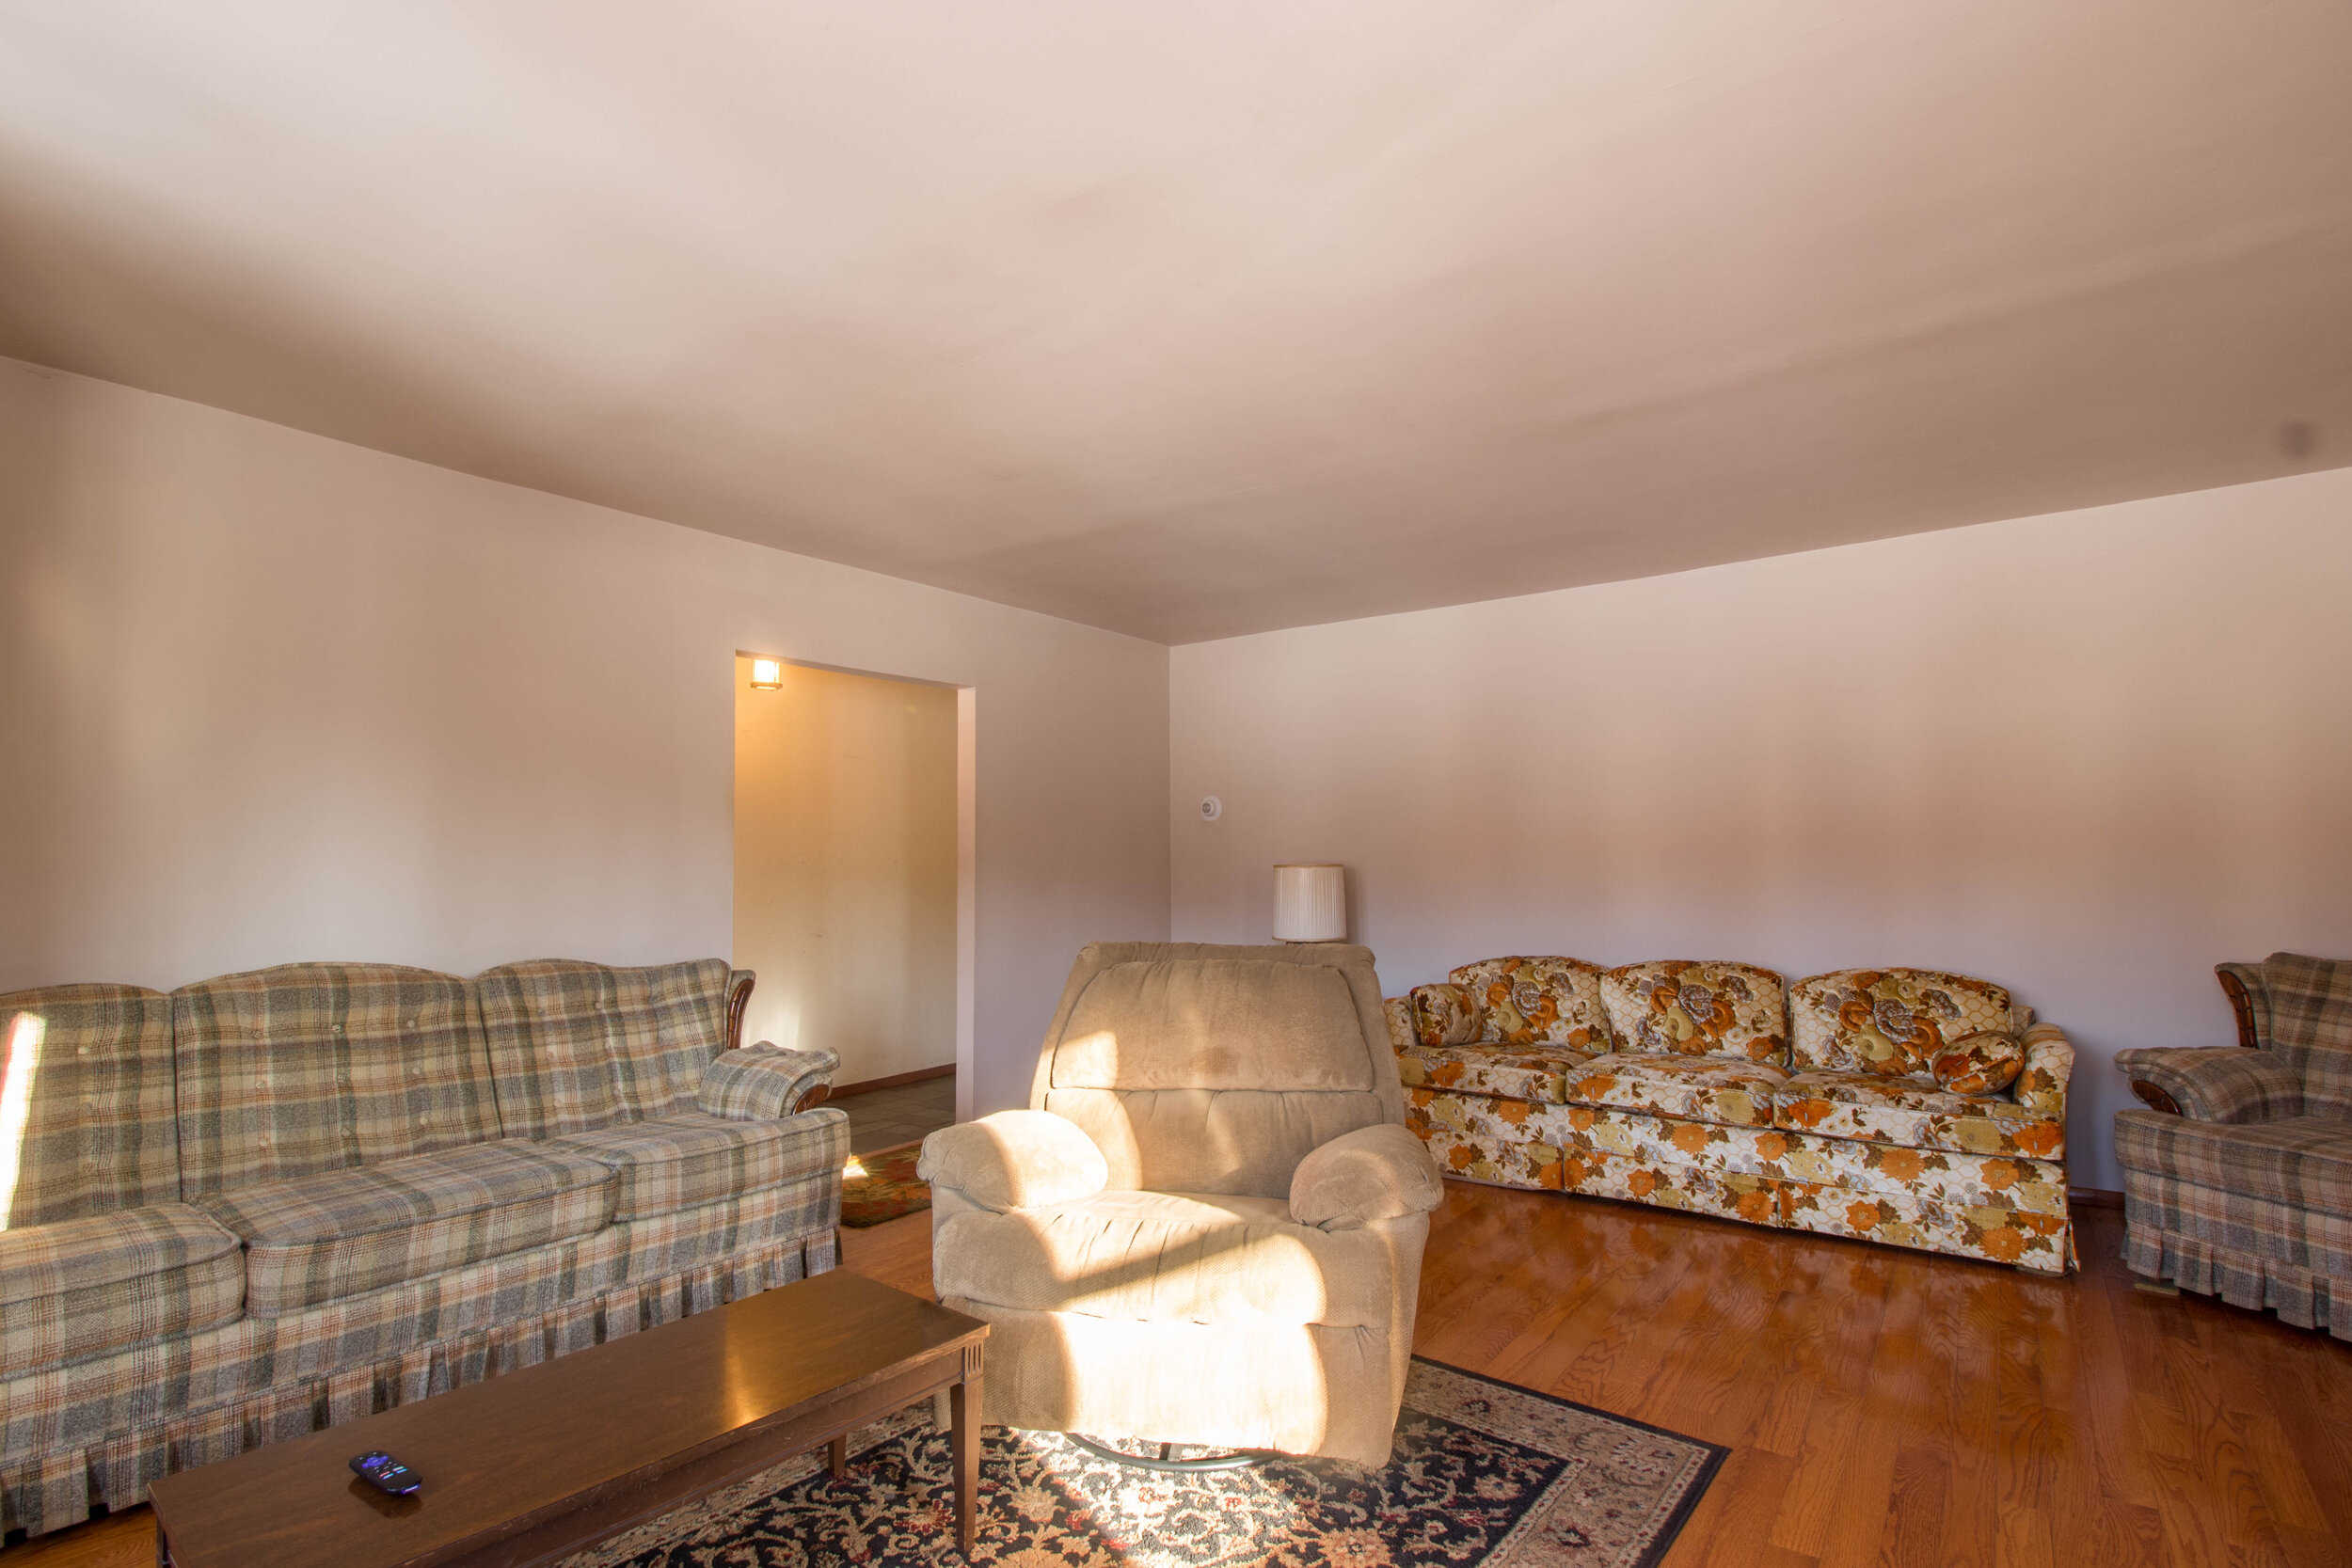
{"x": 2049, "y": 1067}
{"x": 1015, "y": 1160}
{"x": 763, "y": 1081}
{"x": 1364, "y": 1176}
{"x": 2225, "y": 1084}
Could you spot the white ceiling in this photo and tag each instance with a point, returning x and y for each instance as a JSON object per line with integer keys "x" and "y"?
{"x": 1191, "y": 319}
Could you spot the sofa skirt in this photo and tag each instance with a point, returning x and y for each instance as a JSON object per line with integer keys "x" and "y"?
{"x": 1736, "y": 1174}
{"x": 2231, "y": 1245}
{"x": 59, "y": 1487}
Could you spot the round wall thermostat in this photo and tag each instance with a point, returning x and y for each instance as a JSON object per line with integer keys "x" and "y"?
{"x": 1211, "y": 808}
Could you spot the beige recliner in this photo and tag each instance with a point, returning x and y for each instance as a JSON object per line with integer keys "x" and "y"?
{"x": 1208, "y": 1227}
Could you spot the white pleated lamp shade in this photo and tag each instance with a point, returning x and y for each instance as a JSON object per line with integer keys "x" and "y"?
{"x": 1309, "y": 903}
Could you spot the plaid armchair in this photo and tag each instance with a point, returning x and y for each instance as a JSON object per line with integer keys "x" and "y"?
{"x": 2237, "y": 1177}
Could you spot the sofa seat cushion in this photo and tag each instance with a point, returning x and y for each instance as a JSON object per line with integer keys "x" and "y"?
{"x": 1695, "y": 1088}
{"x": 1537, "y": 1073}
{"x": 1914, "y": 1114}
{"x": 680, "y": 1162}
{"x": 2303, "y": 1162}
{"x": 82, "y": 1288}
{"x": 343, "y": 1233}
{"x": 1169, "y": 1257}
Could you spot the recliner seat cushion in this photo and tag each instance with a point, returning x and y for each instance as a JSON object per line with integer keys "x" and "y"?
{"x": 1914, "y": 1114}
{"x": 2303, "y": 1162}
{"x": 343, "y": 1233}
{"x": 672, "y": 1162}
{"x": 1169, "y": 1257}
{"x": 83, "y": 1288}
{"x": 1719, "y": 1089}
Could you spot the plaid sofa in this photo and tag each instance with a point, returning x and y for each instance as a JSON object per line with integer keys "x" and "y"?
{"x": 1901, "y": 1105}
{"x": 271, "y": 1202}
{"x": 2237, "y": 1177}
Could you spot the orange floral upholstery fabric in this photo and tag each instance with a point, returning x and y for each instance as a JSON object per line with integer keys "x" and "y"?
{"x": 1682, "y": 1007}
{"x": 1539, "y": 1001}
{"x": 1444, "y": 1015}
{"x": 1891, "y": 1021}
{"x": 1916, "y": 1115}
{"x": 1703, "y": 1088}
{"x": 1985, "y": 1063}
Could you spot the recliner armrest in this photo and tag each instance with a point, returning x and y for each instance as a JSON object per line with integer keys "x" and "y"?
{"x": 2227, "y": 1083}
{"x": 765, "y": 1082}
{"x": 1015, "y": 1160}
{"x": 1364, "y": 1176}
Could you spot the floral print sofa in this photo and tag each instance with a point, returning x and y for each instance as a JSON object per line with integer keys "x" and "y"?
{"x": 1905, "y": 1107}
{"x": 281, "y": 1200}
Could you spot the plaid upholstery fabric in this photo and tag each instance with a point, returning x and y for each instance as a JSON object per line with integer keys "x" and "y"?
{"x": 82, "y": 1459}
{"x": 2306, "y": 1004}
{"x": 315, "y": 1067}
{"x": 762, "y": 1081}
{"x": 683, "y": 1162}
{"x": 2303, "y": 1163}
{"x": 93, "y": 1066}
{"x": 658, "y": 1245}
{"x": 2198, "y": 1238}
{"x": 2225, "y": 1084}
{"x": 83, "y": 1288}
{"x": 578, "y": 1046}
{"x": 344, "y": 1233}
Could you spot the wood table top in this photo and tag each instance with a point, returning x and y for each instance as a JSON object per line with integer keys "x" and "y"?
{"x": 525, "y": 1445}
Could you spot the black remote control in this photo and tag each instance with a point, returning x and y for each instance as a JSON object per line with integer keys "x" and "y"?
{"x": 387, "y": 1474}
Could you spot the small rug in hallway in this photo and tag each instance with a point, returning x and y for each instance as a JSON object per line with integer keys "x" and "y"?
{"x": 1485, "y": 1476}
{"x": 883, "y": 1186}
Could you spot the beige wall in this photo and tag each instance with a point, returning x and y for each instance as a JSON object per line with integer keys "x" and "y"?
{"x": 2087, "y": 754}
{"x": 845, "y": 867}
{"x": 267, "y": 696}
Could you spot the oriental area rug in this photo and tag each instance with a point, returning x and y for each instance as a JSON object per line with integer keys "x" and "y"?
{"x": 1485, "y": 1476}
{"x": 883, "y": 1186}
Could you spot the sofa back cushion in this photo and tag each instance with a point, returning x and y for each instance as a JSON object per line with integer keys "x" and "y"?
{"x": 315, "y": 1067}
{"x": 1536, "y": 1001}
{"x": 2304, "y": 1014}
{"x": 1692, "y": 1007}
{"x": 575, "y": 1047}
{"x": 1894, "y": 1023}
{"x": 86, "y": 1103}
{"x": 1217, "y": 1070}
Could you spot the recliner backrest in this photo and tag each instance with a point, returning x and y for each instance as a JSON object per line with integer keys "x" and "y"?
{"x": 1207, "y": 1068}
{"x": 86, "y": 1103}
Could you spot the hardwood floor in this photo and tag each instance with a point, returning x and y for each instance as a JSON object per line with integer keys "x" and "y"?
{"x": 1881, "y": 1406}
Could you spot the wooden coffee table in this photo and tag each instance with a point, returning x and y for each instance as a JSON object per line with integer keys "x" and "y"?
{"x": 532, "y": 1465}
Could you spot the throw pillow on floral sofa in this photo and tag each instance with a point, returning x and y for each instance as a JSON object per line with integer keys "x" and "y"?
{"x": 1906, "y": 1106}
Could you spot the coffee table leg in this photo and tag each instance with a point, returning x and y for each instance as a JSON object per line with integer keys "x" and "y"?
{"x": 838, "y": 1452}
{"x": 965, "y": 1400}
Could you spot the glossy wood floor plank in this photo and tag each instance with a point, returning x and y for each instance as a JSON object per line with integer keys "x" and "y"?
{"x": 1882, "y": 1408}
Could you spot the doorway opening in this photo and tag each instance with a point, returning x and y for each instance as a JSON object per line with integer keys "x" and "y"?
{"x": 852, "y": 885}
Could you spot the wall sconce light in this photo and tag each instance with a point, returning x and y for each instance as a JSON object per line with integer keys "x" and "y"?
{"x": 766, "y": 675}
{"x": 1309, "y": 903}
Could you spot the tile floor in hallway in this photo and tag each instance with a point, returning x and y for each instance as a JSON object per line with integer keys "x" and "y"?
{"x": 884, "y": 1119}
